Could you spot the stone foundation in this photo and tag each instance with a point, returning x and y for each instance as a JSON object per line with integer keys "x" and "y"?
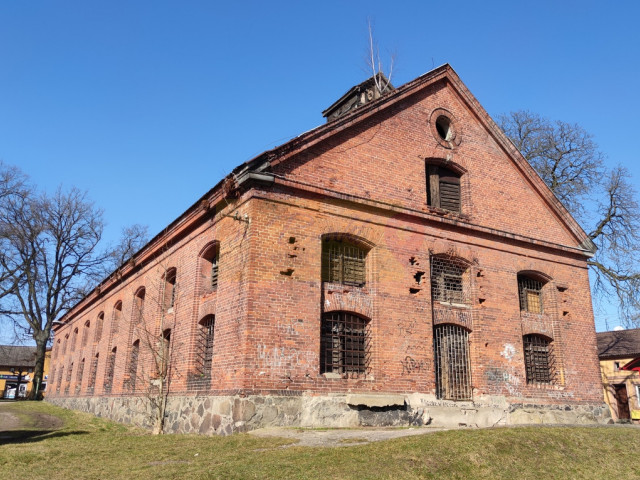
{"x": 224, "y": 415}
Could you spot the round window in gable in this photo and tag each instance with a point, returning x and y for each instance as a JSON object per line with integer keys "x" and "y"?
{"x": 445, "y": 128}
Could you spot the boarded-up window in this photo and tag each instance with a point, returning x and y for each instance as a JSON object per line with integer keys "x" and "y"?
{"x": 344, "y": 344}
{"x": 209, "y": 261}
{"x": 530, "y": 292}
{"x": 453, "y": 371}
{"x": 343, "y": 262}
{"x": 138, "y": 306}
{"x": 116, "y": 316}
{"x": 538, "y": 359}
{"x": 170, "y": 288}
{"x": 443, "y": 188}
{"x": 449, "y": 280}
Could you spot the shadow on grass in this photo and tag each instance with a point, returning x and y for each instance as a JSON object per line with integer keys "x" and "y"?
{"x": 31, "y": 436}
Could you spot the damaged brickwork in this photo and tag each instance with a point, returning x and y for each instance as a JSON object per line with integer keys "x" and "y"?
{"x": 377, "y": 270}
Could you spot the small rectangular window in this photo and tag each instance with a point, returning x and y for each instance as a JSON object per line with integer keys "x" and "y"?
{"x": 343, "y": 263}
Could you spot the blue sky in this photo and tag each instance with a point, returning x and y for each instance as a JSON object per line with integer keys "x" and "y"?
{"x": 147, "y": 104}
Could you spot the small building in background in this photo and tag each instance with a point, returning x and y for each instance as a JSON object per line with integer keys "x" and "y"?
{"x": 619, "y": 353}
{"x": 16, "y": 371}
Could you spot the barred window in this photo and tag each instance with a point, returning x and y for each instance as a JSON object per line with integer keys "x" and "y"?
{"x": 133, "y": 364}
{"x": 449, "y": 280}
{"x": 138, "y": 306}
{"x": 85, "y": 333}
{"x": 92, "y": 373}
{"x": 205, "y": 345}
{"x": 109, "y": 371}
{"x": 209, "y": 261}
{"x": 530, "y": 292}
{"x": 343, "y": 262}
{"x": 170, "y": 288}
{"x": 453, "y": 370}
{"x": 538, "y": 359}
{"x": 60, "y": 377}
{"x": 116, "y": 316}
{"x": 79, "y": 375}
{"x": 99, "y": 326}
{"x": 443, "y": 188}
{"x": 344, "y": 344}
{"x": 74, "y": 339}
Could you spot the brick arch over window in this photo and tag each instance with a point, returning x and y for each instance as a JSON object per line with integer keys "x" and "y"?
{"x": 344, "y": 259}
{"x": 450, "y": 280}
{"x": 138, "y": 305}
{"x": 208, "y": 267}
{"x": 345, "y": 344}
{"x": 539, "y": 359}
{"x": 444, "y": 185}
{"x": 85, "y": 333}
{"x": 99, "y": 327}
{"x": 531, "y": 289}
{"x": 169, "y": 294}
{"x": 116, "y": 319}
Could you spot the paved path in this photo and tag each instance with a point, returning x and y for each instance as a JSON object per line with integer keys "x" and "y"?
{"x": 340, "y": 437}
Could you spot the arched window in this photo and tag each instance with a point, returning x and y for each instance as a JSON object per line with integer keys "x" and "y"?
{"x": 68, "y": 382}
{"x": 133, "y": 364}
{"x": 170, "y": 288}
{"x": 92, "y": 373}
{"x": 85, "y": 333}
{"x": 453, "y": 370}
{"x": 538, "y": 359}
{"x": 205, "y": 345}
{"x": 74, "y": 339}
{"x": 99, "y": 327}
{"x": 116, "y": 317}
{"x": 209, "y": 261}
{"x": 64, "y": 345}
{"x": 343, "y": 262}
{"x": 138, "y": 306}
{"x": 450, "y": 280}
{"x": 443, "y": 188}
{"x": 165, "y": 356}
{"x": 60, "y": 377}
{"x": 530, "y": 293}
{"x": 79, "y": 375}
{"x": 344, "y": 343}
{"x": 109, "y": 371}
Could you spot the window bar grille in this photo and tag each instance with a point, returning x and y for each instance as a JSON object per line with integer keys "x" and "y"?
{"x": 108, "y": 378}
{"x": 449, "y": 281}
{"x": 538, "y": 359}
{"x": 345, "y": 344}
{"x": 530, "y": 291}
{"x": 343, "y": 263}
{"x": 453, "y": 370}
{"x": 214, "y": 271}
{"x": 133, "y": 365}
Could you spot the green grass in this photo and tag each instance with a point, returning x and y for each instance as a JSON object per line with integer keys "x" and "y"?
{"x": 86, "y": 447}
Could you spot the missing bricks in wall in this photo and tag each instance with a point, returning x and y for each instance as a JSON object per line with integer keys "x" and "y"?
{"x": 414, "y": 290}
{"x": 288, "y": 272}
{"x": 418, "y": 277}
{"x": 292, "y": 240}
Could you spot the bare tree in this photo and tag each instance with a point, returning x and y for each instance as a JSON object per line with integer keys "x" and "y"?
{"x": 51, "y": 258}
{"x": 603, "y": 200}
{"x": 152, "y": 328}
{"x": 132, "y": 239}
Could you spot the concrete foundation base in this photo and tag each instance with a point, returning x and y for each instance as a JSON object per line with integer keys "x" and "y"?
{"x": 224, "y": 415}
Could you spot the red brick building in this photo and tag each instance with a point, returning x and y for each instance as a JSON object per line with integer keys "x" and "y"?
{"x": 400, "y": 264}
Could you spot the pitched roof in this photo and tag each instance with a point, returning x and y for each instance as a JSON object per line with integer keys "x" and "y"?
{"x": 257, "y": 169}
{"x": 16, "y": 356}
{"x": 619, "y": 344}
